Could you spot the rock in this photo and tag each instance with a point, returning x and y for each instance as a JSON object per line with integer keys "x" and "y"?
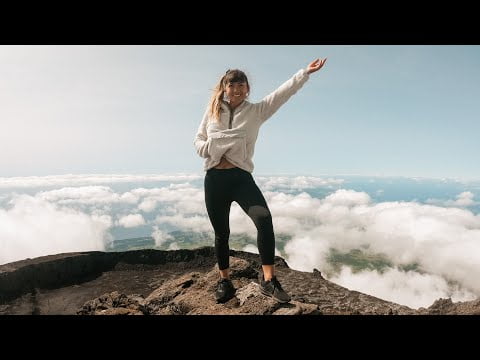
{"x": 297, "y": 308}
{"x": 317, "y": 273}
{"x": 114, "y": 303}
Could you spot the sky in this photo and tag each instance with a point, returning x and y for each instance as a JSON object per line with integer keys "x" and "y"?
{"x": 398, "y": 110}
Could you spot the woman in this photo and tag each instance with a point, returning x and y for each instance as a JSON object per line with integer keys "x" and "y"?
{"x": 226, "y": 139}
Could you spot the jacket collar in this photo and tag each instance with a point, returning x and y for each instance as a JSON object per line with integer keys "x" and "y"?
{"x": 226, "y": 106}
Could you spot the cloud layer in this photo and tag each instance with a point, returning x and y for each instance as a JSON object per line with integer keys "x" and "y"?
{"x": 81, "y": 180}
{"x": 35, "y": 227}
{"x": 440, "y": 239}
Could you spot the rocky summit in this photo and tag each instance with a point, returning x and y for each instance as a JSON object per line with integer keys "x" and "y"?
{"x": 180, "y": 282}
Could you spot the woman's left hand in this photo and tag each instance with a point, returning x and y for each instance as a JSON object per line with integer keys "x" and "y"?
{"x": 315, "y": 65}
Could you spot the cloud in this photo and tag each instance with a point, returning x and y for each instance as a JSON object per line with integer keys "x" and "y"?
{"x": 184, "y": 197}
{"x": 181, "y": 198}
{"x": 148, "y": 205}
{"x": 444, "y": 242}
{"x": 408, "y": 288}
{"x": 132, "y": 220}
{"x": 160, "y": 236}
{"x": 295, "y": 183}
{"x": 254, "y": 250}
{"x": 81, "y": 180}
{"x": 173, "y": 246}
{"x": 98, "y": 201}
{"x": 251, "y": 249}
{"x": 34, "y": 227}
{"x": 347, "y": 198}
{"x": 192, "y": 223}
{"x": 464, "y": 199}
{"x": 87, "y": 195}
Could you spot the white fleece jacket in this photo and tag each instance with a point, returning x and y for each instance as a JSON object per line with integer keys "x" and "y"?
{"x": 234, "y": 136}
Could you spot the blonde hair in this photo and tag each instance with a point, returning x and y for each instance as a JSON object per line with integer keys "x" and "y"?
{"x": 214, "y": 106}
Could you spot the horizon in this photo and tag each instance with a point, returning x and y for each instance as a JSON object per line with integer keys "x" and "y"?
{"x": 255, "y": 173}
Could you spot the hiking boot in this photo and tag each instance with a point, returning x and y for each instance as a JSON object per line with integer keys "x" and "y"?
{"x": 273, "y": 289}
{"x": 225, "y": 290}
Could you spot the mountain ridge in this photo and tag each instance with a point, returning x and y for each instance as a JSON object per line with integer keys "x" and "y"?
{"x": 180, "y": 282}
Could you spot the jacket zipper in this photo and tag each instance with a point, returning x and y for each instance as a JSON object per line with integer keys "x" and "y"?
{"x": 231, "y": 119}
{"x": 232, "y": 112}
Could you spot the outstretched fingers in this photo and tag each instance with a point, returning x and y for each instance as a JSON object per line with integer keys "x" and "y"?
{"x": 321, "y": 63}
{"x": 316, "y": 65}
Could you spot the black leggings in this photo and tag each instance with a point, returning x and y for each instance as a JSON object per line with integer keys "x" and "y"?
{"x": 222, "y": 186}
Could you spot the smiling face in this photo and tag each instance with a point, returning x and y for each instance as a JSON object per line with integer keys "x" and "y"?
{"x": 236, "y": 87}
{"x": 236, "y": 92}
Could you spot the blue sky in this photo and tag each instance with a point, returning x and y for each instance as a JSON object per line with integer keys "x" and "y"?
{"x": 372, "y": 110}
